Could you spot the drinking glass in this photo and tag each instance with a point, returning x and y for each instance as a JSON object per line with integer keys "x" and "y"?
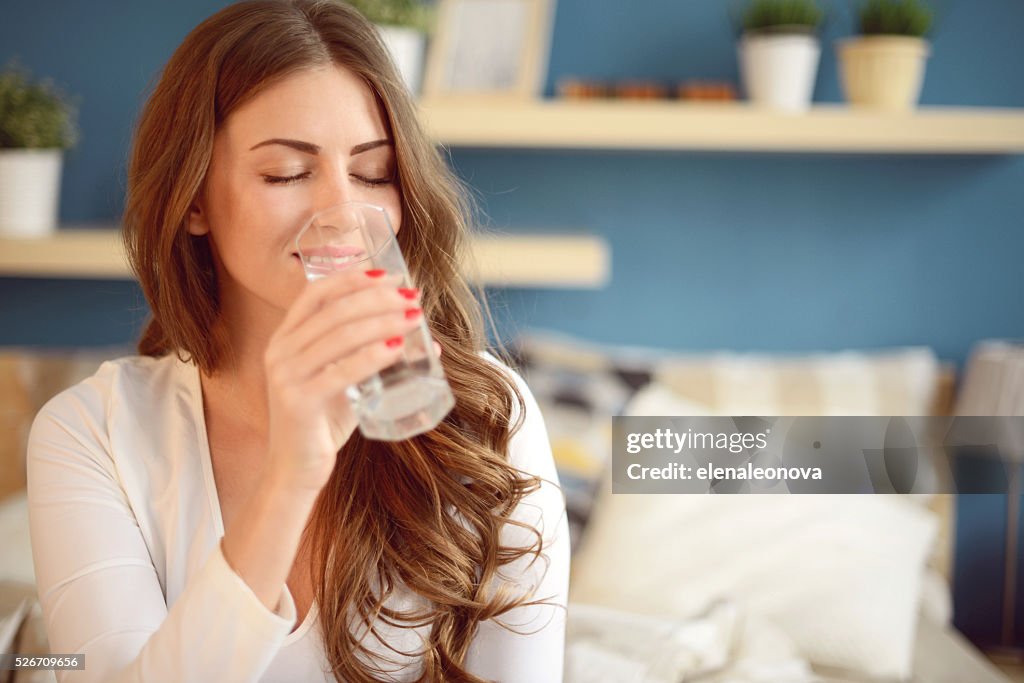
{"x": 411, "y": 396}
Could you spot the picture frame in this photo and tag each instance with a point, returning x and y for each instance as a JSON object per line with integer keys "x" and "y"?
{"x": 489, "y": 49}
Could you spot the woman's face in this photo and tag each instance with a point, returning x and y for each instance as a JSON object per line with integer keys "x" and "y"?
{"x": 312, "y": 140}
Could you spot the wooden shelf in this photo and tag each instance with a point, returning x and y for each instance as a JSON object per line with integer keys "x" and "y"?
{"x": 550, "y": 261}
{"x": 571, "y": 261}
{"x": 674, "y": 125}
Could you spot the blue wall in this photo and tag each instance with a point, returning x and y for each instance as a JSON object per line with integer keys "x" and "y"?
{"x": 772, "y": 252}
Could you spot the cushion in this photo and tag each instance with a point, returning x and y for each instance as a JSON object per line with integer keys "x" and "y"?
{"x": 889, "y": 382}
{"x": 719, "y": 646}
{"x": 994, "y": 382}
{"x": 840, "y": 575}
{"x": 580, "y": 384}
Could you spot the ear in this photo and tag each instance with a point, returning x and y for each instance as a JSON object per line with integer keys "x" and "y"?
{"x": 197, "y": 224}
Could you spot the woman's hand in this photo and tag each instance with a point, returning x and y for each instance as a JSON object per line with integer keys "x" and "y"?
{"x": 339, "y": 331}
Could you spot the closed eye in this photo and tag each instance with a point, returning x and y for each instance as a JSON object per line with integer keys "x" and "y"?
{"x": 287, "y": 180}
{"x": 373, "y": 182}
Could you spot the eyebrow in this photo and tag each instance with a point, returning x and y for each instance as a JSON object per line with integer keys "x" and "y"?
{"x": 310, "y": 148}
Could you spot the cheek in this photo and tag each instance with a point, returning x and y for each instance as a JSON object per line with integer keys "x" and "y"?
{"x": 279, "y": 213}
{"x": 271, "y": 216}
{"x": 254, "y": 226}
{"x": 393, "y": 207}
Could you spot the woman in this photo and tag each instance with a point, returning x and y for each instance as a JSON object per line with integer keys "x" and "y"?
{"x": 194, "y": 515}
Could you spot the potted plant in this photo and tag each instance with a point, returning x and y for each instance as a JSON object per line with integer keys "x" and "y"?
{"x": 37, "y": 123}
{"x": 779, "y": 52}
{"x": 403, "y": 25}
{"x": 884, "y": 67}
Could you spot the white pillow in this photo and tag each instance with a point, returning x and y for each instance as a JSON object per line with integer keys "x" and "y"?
{"x": 721, "y": 646}
{"x": 900, "y": 381}
{"x": 840, "y": 575}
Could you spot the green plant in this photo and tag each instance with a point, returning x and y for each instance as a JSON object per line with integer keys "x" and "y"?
{"x": 782, "y": 15}
{"x": 895, "y": 17}
{"x": 412, "y": 13}
{"x": 34, "y": 114}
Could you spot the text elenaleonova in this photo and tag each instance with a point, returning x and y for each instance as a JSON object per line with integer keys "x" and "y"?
{"x": 734, "y": 442}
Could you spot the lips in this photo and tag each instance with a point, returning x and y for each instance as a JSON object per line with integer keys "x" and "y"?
{"x": 334, "y": 254}
{"x": 333, "y": 251}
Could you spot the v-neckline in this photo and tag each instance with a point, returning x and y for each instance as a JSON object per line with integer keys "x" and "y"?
{"x": 195, "y": 394}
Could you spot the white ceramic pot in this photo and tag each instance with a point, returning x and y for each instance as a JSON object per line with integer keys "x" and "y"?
{"x": 883, "y": 72}
{"x": 406, "y": 46}
{"x": 29, "y": 191}
{"x": 779, "y": 70}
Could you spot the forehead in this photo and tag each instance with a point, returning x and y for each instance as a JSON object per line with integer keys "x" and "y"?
{"x": 327, "y": 105}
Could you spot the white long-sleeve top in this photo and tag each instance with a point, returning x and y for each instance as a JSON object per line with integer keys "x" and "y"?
{"x": 126, "y": 526}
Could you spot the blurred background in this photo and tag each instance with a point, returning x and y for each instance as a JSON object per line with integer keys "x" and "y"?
{"x": 653, "y": 242}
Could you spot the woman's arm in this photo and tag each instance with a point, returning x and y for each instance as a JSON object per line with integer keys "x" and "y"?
{"x": 100, "y": 593}
{"x": 537, "y": 657}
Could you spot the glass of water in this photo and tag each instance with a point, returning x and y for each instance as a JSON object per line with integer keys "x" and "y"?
{"x": 411, "y": 396}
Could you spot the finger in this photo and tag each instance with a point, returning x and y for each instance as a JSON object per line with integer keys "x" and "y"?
{"x": 353, "y": 369}
{"x": 349, "y": 338}
{"x": 355, "y": 306}
{"x": 317, "y": 292}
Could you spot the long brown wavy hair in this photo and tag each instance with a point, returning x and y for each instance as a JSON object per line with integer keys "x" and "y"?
{"x": 381, "y": 517}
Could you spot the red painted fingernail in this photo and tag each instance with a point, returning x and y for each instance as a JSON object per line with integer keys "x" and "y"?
{"x": 408, "y": 293}
{"x": 393, "y": 342}
{"x": 376, "y": 272}
{"x": 411, "y": 313}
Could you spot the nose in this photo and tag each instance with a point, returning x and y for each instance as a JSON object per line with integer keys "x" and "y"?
{"x": 335, "y": 188}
